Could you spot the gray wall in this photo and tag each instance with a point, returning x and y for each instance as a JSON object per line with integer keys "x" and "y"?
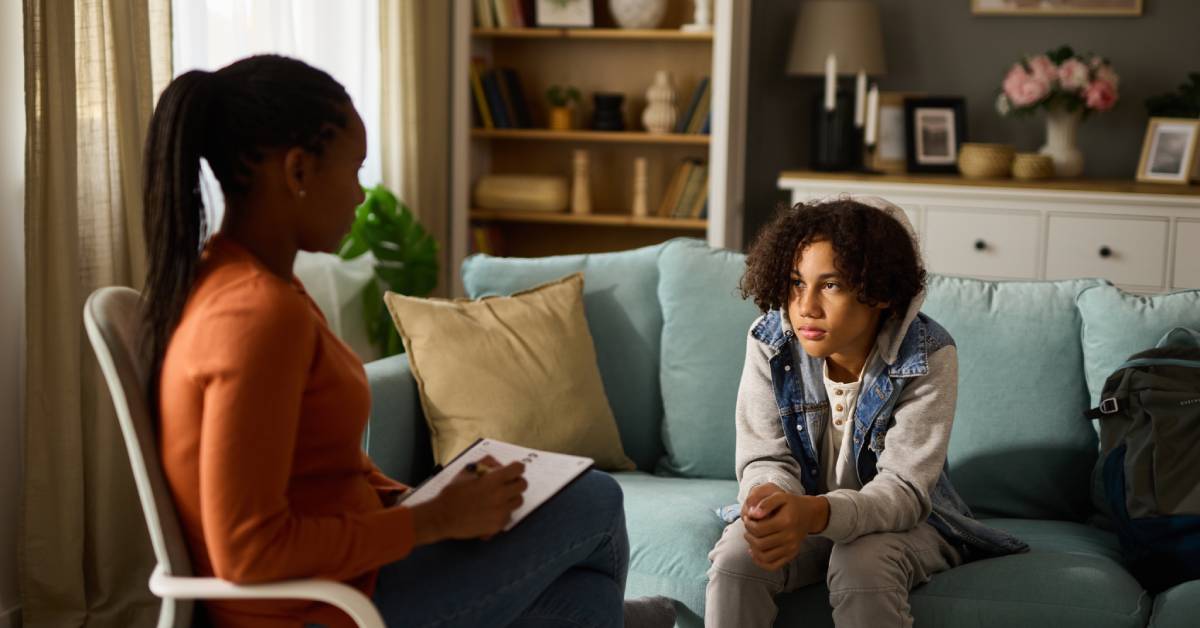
{"x": 938, "y": 47}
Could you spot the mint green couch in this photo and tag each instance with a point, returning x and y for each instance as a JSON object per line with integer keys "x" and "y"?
{"x": 670, "y": 333}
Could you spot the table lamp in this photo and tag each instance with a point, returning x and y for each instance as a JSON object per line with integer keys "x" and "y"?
{"x": 832, "y": 37}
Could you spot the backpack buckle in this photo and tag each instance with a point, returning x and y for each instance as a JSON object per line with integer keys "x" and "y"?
{"x": 1109, "y": 406}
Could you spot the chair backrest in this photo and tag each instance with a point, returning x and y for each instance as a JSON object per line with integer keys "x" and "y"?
{"x": 112, "y": 317}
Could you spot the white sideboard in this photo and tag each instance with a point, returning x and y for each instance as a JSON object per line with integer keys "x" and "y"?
{"x": 1142, "y": 237}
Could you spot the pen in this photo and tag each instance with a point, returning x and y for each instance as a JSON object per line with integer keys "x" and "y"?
{"x": 480, "y": 469}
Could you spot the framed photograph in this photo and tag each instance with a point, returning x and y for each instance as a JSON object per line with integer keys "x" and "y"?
{"x": 565, "y": 13}
{"x": 934, "y": 129}
{"x": 1169, "y": 150}
{"x": 1057, "y": 7}
{"x": 889, "y": 146}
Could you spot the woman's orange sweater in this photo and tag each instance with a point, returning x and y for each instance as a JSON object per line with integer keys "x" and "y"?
{"x": 262, "y": 415}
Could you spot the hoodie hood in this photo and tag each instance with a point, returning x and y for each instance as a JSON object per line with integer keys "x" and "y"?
{"x": 891, "y": 335}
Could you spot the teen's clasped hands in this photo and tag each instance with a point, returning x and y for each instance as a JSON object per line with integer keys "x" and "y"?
{"x": 777, "y": 522}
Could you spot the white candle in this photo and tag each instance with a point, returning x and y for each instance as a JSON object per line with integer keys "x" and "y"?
{"x": 860, "y": 98}
{"x": 872, "y": 115}
{"x": 830, "y": 82}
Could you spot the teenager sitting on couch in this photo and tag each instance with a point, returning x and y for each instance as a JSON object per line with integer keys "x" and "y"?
{"x": 843, "y": 421}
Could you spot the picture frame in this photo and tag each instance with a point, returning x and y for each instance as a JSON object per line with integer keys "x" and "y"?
{"x": 1169, "y": 151}
{"x": 565, "y": 13}
{"x": 1058, "y": 8}
{"x": 889, "y": 154}
{"x": 934, "y": 130}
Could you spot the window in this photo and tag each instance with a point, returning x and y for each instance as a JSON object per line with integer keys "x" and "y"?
{"x": 341, "y": 38}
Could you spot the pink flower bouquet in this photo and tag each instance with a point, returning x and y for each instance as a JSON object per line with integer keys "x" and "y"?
{"x": 1058, "y": 79}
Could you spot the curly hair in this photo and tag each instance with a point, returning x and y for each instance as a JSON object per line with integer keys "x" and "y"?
{"x": 875, "y": 254}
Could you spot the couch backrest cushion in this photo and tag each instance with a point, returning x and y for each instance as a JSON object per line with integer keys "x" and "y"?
{"x": 1020, "y": 445}
{"x": 705, "y": 322}
{"x": 620, "y": 299}
{"x": 1117, "y": 325}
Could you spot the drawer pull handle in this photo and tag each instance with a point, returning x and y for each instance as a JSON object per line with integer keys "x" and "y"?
{"x": 1105, "y": 252}
{"x": 980, "y": 245}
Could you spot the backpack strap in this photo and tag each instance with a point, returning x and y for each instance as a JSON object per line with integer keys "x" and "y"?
{"x": 1107, "y": 406}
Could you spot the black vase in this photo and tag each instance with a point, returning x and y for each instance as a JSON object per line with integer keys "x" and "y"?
{"x": 606, "y": 114}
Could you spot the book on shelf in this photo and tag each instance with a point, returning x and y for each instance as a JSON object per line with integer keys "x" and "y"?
{"x": 674, "y": 189}
{"x": 510, "y": 84}
{"x": 684, "y": 121}
{"x": 499, "y": 97}
{"x": 696, "y": 123}
{"x": 504, "y": 13}
{"x": 491, "y": 87}
{"x": 700, "y": 200}
{"x": 479, "y": 102}
{"x": 484, "y": 17}
{"x": 696, "y": 183}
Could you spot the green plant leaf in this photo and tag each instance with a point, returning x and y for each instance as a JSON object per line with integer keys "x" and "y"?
{"x": 406, "y": 260}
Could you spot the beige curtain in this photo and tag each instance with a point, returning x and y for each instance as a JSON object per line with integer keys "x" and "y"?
{"x": 92, "y": 71}
{"x": 415, "y": 66}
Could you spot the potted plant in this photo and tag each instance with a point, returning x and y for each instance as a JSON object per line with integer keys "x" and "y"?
{"x": 1069, "y": 87}
{"x": 563, "y": 100}
{"x": 406, "y": 260}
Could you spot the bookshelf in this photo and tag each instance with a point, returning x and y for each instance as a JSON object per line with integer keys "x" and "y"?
{"x": 605, "y": 59}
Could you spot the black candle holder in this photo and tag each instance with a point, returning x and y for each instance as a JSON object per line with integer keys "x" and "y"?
{"x": 836, "y": 142}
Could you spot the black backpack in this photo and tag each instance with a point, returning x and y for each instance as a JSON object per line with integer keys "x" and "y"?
{"x": 1150, "y": 459}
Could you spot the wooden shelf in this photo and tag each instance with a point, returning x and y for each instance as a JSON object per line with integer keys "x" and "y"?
{"x": 615, "y": 137}
{"x": 603, "y": 220}
{"x": 610, "y": 34}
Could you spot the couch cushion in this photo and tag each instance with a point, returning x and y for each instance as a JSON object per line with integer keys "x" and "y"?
{"x": 1020, "y": 445}
{"x": 621, "y": 304}
{"x": 529, "y": 377}
{"x": 1177, "y": 607}
{"x": 1117, "y": 325}
{"x": 1071, "y": 577}
{"x": 672, "y": 526}
{"x": 703, "y": 347}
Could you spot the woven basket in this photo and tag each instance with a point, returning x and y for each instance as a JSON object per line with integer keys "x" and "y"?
{"x": 985, "y": 161}
{"x": 1032, "y": 166}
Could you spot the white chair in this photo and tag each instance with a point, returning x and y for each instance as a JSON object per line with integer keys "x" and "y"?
{"x": 112, "y": 317}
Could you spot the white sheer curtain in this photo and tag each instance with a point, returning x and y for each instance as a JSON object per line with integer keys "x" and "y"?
{"x": 340, "y": 37}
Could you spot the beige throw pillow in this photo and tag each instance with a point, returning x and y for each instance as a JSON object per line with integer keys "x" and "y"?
{"x": 520, "y": 369}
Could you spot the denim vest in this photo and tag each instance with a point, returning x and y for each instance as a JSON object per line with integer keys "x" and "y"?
{"x": 804, "y": 409}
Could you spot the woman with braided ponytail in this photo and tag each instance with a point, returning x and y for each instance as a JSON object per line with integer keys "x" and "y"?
{"x": 262, "y": 409}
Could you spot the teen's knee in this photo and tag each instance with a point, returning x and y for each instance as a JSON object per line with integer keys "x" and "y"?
{"x": 731, "y": 558}
{"x": 871, "y": 562}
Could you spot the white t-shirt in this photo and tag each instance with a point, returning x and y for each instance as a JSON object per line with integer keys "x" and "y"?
{"x": 837, "y": 470}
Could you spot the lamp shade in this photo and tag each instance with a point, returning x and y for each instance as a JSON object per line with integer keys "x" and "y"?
{"x": 847, "y": 28}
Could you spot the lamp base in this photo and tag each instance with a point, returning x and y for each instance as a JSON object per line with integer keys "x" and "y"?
{"x": 837, "y": 144}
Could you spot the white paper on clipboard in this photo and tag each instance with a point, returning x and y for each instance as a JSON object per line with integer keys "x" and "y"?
{"x": 545, "y": 472}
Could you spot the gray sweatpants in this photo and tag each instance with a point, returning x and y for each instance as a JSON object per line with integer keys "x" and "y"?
{"x": 869, "y": 578}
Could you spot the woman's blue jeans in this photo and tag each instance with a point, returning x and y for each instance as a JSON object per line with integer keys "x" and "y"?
{"x": 564, "y": 565}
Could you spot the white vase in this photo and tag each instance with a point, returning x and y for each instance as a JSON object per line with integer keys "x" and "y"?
{"x": 1062, "y": 127}
{"x": 659, "y": 115}
{"x": 637, "y": 13}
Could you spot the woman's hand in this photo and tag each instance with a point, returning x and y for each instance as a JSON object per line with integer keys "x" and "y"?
{"x": 777, "y": 523}
{"x": 473, "y": 506}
